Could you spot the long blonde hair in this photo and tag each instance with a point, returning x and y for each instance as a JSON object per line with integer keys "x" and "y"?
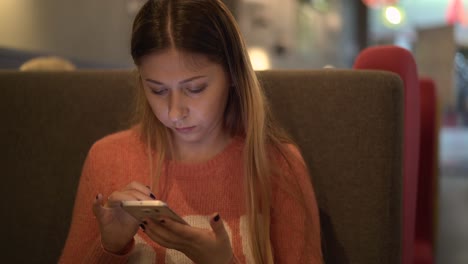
{"x": 179, "y": 24}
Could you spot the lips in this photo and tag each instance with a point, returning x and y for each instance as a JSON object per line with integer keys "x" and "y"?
{"x": 185, "y": 130}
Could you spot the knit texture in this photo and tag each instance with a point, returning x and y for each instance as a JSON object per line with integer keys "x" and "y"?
{"x": 194, "y": 191}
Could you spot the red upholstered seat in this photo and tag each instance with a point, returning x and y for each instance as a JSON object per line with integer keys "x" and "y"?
{"x": 427, "y": 181}
{"x": 423, "y": 252}
{"x": 400, "y": 61}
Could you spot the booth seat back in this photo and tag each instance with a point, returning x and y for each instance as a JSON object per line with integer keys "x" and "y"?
{"x": 400, "y": 61}
{"x": 347, "y": 123}
{"x": 428, "y": 183}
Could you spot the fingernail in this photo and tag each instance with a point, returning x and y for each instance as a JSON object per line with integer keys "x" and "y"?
{"x": 142, "y": 227}
{"x": 97, "y": 196}
{"x": 162, "y": 221}
{"x": 152, "y": 196}
{"x": 216, "y": 218}
{"x": 145, "y": 223}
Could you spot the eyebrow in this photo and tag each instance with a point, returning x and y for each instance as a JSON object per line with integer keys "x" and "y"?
{"x": 181, "y": 82}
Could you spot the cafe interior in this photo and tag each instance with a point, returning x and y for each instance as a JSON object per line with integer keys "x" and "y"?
{"x": 375, "y": 93}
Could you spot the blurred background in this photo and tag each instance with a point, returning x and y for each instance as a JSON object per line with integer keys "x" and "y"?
{"x": 287, "y": 34}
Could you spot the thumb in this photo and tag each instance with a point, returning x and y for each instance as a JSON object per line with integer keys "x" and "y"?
{"x": 97, "y": 206}
{"x": 218, "y": 227}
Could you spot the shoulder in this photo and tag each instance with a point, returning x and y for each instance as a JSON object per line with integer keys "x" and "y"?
{"x": 125, "y": 141}
{"x": 289, "y": 165}
{"x": 288, "y": 153}
{"x": 112, "y": 162}
{"x": 293, "y": 150}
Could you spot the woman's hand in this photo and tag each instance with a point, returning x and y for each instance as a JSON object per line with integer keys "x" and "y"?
{"x": 200, "y": 245}
{"x": 117, "y": 226}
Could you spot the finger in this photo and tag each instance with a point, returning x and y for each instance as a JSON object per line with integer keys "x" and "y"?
{"x": 162, "y": 242}
{"x": 134, "y": 185}
{"x": 218, "y": 227}
{"x": 116, "y": 198}
{"x": 184, "y": 231}
{"x": 161, "y": 235}
{"x": 131, "y": 195}
{"x": 97, "y": 206}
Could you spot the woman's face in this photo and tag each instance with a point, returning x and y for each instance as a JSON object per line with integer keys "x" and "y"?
{"x": 187, "y": 93}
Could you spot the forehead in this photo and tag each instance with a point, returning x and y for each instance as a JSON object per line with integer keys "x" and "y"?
{"x": 176, "y": 63}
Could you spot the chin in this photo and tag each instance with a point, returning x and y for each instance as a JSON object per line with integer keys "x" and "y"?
{"x": 188, "y": 138}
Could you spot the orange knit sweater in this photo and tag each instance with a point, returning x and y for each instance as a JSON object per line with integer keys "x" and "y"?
{"x": 194, "y": 191}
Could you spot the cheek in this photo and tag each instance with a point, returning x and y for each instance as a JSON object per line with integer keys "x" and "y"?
{"x": 222, "y": 102}
{"x": 216, "y": 108}
{"x": 159, "y": 108}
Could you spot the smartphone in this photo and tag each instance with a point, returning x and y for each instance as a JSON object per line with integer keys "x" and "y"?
{"x": 153, "y": 209}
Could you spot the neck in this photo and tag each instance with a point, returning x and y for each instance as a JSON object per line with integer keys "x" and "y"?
{"x": 192, "y": 152}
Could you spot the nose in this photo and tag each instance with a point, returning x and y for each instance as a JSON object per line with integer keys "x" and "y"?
{"x": 177, "y": 110}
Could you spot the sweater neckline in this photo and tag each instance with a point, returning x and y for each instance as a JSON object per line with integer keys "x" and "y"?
{"x": 235, "y": 145}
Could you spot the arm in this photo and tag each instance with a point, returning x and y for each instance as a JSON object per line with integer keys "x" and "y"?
{"x": 295, "y": 224}
{"x": 83, "y": 242}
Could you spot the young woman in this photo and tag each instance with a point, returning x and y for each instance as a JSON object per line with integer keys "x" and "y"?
{"x": 206, "y": 144}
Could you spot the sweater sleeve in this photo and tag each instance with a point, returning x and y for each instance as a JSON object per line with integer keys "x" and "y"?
{"x": 295, "y": 223}
{"x": 83, "y": 244}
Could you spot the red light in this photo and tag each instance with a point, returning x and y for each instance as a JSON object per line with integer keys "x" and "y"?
{"x": 455, "y": 13}
{"x": 379, "y": 3}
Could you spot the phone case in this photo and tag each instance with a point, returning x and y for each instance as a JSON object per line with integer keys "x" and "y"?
{"x": 151, "y": 209}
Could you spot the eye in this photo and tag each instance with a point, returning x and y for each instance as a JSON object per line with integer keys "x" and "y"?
{"x": 158, "y": 91}
{"x": 197, "y": 89}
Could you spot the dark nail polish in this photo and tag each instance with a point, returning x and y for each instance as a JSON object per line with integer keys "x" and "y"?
{"x": 152, "y": 196}
{"x": 145, "y": 223}
{"x": 162, "y": 221}
{"x": 216, "y": 218}
{"x": 142, "y": 227}
{"x": 97, "y": 196}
